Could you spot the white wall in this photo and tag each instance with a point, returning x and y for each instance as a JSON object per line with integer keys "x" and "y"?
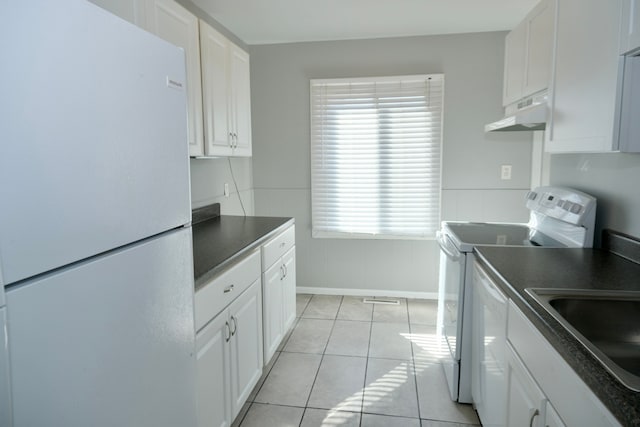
{"x": 208, "y": 177}
{"x": 473, "y": 67}
{"x": 612, "y": 178}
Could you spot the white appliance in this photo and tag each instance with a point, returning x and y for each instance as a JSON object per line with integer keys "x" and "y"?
{"x": 95, "y": 239}
{"x": 559, "y": 217}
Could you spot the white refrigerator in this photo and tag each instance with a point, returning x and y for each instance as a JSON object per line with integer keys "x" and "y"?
{"x": 96, "y": 302}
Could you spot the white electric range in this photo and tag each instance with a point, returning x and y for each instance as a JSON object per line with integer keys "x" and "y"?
{"x": 559, "y": 217}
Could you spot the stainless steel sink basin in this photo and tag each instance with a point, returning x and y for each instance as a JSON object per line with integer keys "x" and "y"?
{"x": 606, "y": 323}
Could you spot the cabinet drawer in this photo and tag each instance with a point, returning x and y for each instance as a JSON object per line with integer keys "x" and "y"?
{"x": 214, "y": 296}
{"x": 278, "y": 246}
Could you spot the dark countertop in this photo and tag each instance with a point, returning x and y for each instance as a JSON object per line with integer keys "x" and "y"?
{"x": 222, "y": 241}
{"x": 517, "y": 268}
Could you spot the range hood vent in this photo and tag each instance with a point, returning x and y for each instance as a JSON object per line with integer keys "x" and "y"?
{"x": 532, "y": 117}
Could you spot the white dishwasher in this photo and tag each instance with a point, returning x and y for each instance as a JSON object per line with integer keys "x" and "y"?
{"x": 488, "y": 349}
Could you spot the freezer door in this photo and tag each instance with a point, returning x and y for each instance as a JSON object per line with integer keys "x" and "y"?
{"x": 94, "y": 151}
{"x": 109, "y": 342}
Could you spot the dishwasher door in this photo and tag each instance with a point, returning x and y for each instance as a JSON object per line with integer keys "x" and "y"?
{"x": 450, "y": 307}
{"x": 488, "y": 384}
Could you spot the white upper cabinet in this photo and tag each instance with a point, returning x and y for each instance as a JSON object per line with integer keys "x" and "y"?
{"x": 528, "y": 54}
{"x": 172, "y": 22}
{"x": 630, "y": 26}
{"x": 584, "y": 91}
{"x": 514, "y": 64}
{"x": 129, "y": 10}
{"x": 226, "y": 95}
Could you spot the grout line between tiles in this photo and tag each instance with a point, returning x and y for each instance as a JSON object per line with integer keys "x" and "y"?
{"x": 322, "y": 356}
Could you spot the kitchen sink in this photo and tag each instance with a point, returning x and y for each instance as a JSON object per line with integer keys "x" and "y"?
{"x": 606, "y": 323}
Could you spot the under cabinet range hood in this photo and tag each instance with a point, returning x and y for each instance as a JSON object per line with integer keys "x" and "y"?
{"x": 527, "y": 115}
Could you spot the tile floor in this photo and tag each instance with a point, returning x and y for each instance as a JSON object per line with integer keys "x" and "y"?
{"x": 347, "y": 363}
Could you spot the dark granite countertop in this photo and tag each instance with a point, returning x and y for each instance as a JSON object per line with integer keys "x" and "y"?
{"x": 517, "y": 268}
{"x": 222, "y": 241}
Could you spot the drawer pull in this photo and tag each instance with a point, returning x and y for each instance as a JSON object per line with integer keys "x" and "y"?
{"x": 535, "y": 414}
{"x": 235, "y": 326}
{"x": 228, "y": 289}
{"x": 282, "y": 244}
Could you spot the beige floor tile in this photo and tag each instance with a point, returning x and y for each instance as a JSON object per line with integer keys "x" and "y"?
{"x": 309, "y": 336}
{"x": 390, "y": 341}
{"x": 322, "y": 307}
{"x": 301, "y": 303}
{"x": 339, "y": 383}
{"x": 390, "y": 388}
{"x": 391, "y": 312}
{"x": 349, "y": 338}
{"x": 433, "y": 396}
{"x": 329, "y": 418}
{"x": 290, "y": 380}
{"x": 352, "y": 308}
{"x": 260, "y": 415}
{"x": 371, "y": 420}
{"x": 423, "y": 311}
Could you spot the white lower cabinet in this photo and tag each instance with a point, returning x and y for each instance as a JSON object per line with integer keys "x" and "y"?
{"x": 273, "y": 303}
{"x": 525, "y": 400}
{"x": 228, "y": 341}
{"x": 214, "y": 366}
{"x": 245, "y": 314}
{"x": 551, "y": 417}
{"x": 279, "y": 289}
{"x": 229, "y": 359}
{"x": 539, "y": 376}
{"x": 518, "y": 378}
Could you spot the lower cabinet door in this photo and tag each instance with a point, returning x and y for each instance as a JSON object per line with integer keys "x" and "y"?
{"x": 245, "y": 315}
{"x": 213, "y": 373}
{"x": 551, "y": 418}
{"x": 289, "y": 289}
{"x": 273, "y": 309}
{"x": 525, "y": 400}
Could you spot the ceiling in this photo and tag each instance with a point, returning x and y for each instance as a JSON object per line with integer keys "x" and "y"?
{"x": 287, "y": 21}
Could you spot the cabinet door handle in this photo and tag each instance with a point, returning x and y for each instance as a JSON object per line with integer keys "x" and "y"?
{"x": 284, "y": 266}
{"x": 228, "y": 289}
{"x": 235, "y": 326}
{"x": 281, "y": 272}
{"x": 227, "y": 338}
{"x": 535, "y": 414}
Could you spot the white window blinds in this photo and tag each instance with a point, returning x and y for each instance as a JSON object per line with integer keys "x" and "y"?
{"x": 376, "y": 148}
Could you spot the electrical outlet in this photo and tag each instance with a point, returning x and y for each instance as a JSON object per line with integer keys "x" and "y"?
{"x": 505, "y": 172}
{"x": 226, "y": 189}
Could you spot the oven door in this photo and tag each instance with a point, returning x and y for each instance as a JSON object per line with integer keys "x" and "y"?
{"x": 451, "y": 287}
{"x": 450, "y": 305}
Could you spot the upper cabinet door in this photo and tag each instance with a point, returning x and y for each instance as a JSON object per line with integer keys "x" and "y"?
{"x": 514, "y": 64}
{"x": 540, "y": 29}
{"x": 528, "y": 54}
{"x": 129, "y": 10}
{"x": 172, "y": 22}
{"x": 215, "y": 85}
{"x": 241, "y": 101}
{"x": 630, "y": 28}
{"x": 585, "y": 76}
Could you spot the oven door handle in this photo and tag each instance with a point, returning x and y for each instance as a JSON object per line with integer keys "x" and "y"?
{"x": 447, "y": 246}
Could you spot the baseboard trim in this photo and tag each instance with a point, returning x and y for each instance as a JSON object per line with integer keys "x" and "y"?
{"x": 366, "y": 292}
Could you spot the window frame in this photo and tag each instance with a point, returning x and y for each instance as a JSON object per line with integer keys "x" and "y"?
{"x": 435, "y": 189}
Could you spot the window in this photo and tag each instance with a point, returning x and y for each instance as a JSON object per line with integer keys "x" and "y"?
{"x": 376, "y": 148}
